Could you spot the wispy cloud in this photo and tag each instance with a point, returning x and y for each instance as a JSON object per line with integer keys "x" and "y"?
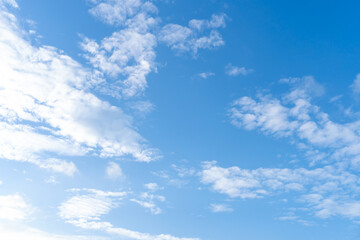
{"x": 206, "y": 75}
{"x": 85, "y": 211}
{"x": 235, "y": 71}
{"x": 46, "y": 96}
{"x": 148, "y": 200}
{"x": 217, "y": 208}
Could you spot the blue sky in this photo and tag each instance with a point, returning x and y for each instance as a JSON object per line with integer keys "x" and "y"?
{"x": 176, "y": 120}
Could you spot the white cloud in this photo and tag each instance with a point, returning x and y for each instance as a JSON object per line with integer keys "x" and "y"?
{"x": 235, "y": 71}
{"x": 46, "y": 96}
{"x": 245, "y": 183}
{"x": 294, "y": 116}
{"x": 147, "y": 200}
{"x": 119, "y": 11}
{"x": 356, "y": 84}
{"x": 153, "y": 186}
{"x": 113, "y": 170}
{"x": 113, "y": 56}
{"x": 142, "y": 107}
{"x": 216, "y": 208}
{"x": 12, "y": 3}
{"x": 191, "y": 38}
{"x": 127, "y": 56}
{"x": 216, "y": 21}
{"x": 85, "y": 211}
{"x": 14, "y": 207}
{"x": 328, "y": 191}
{"x": 89, "y": 206}
{"x": 326, "y": 207}
{"x": 206, "y": 75}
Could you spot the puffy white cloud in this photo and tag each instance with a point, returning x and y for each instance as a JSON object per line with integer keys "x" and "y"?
{"x": 235, "y": 71}
{"x": 328, "y": 191}
{"x": 127, "y": 56}
{"x": 192, "y": 38}
{"x": 294, "y": 116}
{"x": 47, "y": 109}
{"x": 119, "y": 11}
{"x": 245, "y": 183}
{"x": 14, "y": 207}
{"x": 113, "y": 170}
{"x": 114, "y": 55}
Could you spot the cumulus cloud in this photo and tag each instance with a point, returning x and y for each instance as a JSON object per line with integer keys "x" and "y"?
{"x": 119, "y": 11}
{"x": 114, "y": 57}
{"x": 235, "y": 71}
{"x": 328, "y": 191}
{"x": 85, "y": 210}
{"x": 46, "y": 96}
{"x": 127, "y": 56}
{"x": 192, "y": 37}
{"x": 295, "y": 117}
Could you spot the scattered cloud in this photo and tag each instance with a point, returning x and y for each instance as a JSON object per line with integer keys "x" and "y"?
{"x": 328, "y": 191}
{"x": 216, "y": 208}
{"x": 147, "y": 200}
{"x": 85, "y": 211}
{"x": 12, "y": 3}
{"x": 356, "y": 84}
{"x": 51, "y": 180}
{"x": 142, "y": 107}
{"x": 127, "y": 56}
{"x": 206, "y": 75}
{"x": 46, "y": 96}
{"x": 153, "y": 187}
{"x": 89, "y": 206}
{"x": 235, "y": 71}
{"x": 118, "y": 12}
{"x": 113, "y": 171}
{"x": 295, "y": 117}
{"x": 192, "y": 38}
{"x": 335, "y": 98}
